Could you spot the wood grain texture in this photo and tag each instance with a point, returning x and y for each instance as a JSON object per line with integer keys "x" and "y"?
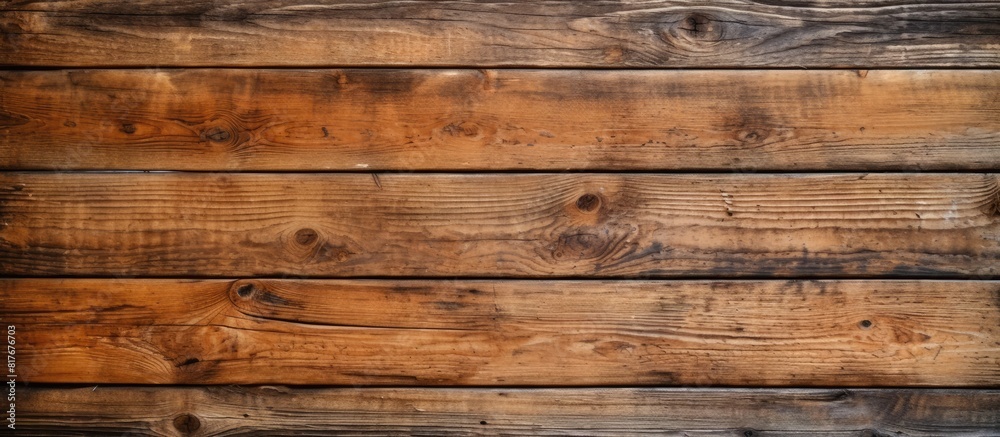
{"x": 489, "y": 225}
{"x": 227, "y": 411}
{"x": 506, "y": 333}
{"x": 562, "y": 33}
{"x": 317, "y": 120}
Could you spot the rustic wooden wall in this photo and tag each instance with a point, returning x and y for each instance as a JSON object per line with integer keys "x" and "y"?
{"x": 281, "y": 217}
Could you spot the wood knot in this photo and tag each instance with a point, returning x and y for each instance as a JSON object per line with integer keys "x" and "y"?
{"x": 698, "y": 26}
{"x": 461, "y": 129}
{"x": 752, "y": 136}
{"x": 580, "y": 246}
{"x": 865, "y": 324}
{"x": 245, "y": 291}
{"x": 128, "y": 128}
{"x": 187, "y": 423}
{"x": 331, "y": 252}
{"x": 306, "y": 236}
{"x": 253, "y": 298}
{"x": 226, "y": 130}
{"x": 216, "y": 134}
{"x": 751, "y": 128}
{"x": 693, "y": 30}
{"x": 588, "y": 202}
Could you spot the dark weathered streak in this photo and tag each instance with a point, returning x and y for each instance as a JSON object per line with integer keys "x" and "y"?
{"x": 316, "y": 120}
{"x": 230, "y": 411}
{"x": 561, "y": 33}
{"x": 427, "y": 225}
{"x": 506, "y": 333}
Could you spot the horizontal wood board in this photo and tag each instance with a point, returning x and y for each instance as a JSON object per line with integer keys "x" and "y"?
{"x": 489, "y": 120}
{"x": 561, "y": 33}
{"x": 499, "y": 225}
{"x": 507, "y": 333}
{"x": 229, "y": 411}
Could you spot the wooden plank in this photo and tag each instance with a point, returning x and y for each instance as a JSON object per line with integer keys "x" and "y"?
{"x": 506, "y": 333}
{"x": 489, "y": 225}
{"x": 561, "y": 33}
{"x": 204, "y": 411}
{"x": 300, "y": 120}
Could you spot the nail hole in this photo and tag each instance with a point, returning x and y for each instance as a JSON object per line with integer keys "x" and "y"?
{"x": 588, "y": 202}
{"x": 866, "y": 324}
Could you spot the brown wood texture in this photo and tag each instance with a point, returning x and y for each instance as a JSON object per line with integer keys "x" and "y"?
{"x": 489, "y": 225}
{"x": 562, "y": 33}
{"x": 227, "y": 411}
{"x": 506, "y": 333}
{"x": 365, "y": 220}
{"x": 320, "y": 120}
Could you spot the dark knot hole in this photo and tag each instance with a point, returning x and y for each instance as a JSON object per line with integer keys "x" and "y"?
{"x": 588, "y": 202}
{"x": 245, "y": 291}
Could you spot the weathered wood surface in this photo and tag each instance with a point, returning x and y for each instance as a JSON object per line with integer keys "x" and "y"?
{"x": 506, "y": 333}
{"x": 226, "y": 411}
{"x": 534, "y": 225}
{"x": 562, "y": 33}
{"x": 295, "y": 120}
